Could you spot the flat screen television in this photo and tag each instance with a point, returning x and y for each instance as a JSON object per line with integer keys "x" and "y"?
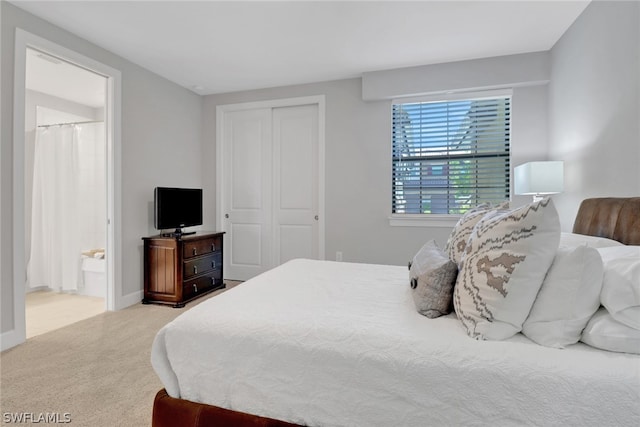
{"x": 177, "y": 208}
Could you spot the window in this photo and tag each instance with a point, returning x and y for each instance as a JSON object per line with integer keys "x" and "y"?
{"x": 449, "y": 156}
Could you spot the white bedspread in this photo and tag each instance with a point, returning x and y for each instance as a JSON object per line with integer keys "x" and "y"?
{"x": 337, "y": 344}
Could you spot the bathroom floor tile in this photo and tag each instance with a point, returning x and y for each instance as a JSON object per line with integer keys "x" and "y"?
{"x": 48, "y": 310}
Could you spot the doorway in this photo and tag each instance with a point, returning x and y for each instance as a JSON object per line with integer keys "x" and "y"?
{"x": 270, "y": 163}
{"x": 65, "y": 193}
{"x": 112, "y": 117}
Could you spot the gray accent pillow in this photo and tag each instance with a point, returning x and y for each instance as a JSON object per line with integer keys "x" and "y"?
{"x": 432, "y": 276}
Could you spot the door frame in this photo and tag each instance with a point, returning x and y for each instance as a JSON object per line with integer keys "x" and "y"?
{"x": 221, "y": 110}
{"x": 113, "y": 108}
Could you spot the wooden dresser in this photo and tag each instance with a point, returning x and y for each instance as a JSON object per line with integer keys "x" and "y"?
{"x": 180, "y": 269}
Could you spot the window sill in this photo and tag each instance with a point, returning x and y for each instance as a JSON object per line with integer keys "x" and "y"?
{"x": 423, "y": 220}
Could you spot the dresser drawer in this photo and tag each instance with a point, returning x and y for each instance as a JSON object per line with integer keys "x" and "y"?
{"x": 200, "y": 265}
{"x": 193, "y": 287}
{"x": 201, "y": 247}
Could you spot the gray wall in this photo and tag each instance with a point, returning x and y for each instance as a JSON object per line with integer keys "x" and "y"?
{"x": 358, "y": 165}
{"x": 161, "y": 145}
{"x": 358, "y": 170}
{"x": 524, "y": 69}
{"x": 594, "y": 111}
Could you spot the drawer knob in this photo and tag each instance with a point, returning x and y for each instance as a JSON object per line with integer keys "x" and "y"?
{"x": 213, "y": 281}
{"x": 195, "y": 251}
{"x": 213, "y": 247}
{"x": 195, "y": 287}
{"x": 195, "y": 269}
{"x": 213, "y": 264}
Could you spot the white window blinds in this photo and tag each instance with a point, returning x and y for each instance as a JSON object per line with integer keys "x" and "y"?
{"x": 449, "y": 156}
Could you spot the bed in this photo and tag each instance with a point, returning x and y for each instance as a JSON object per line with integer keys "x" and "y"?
{"x": 327, "y": 343}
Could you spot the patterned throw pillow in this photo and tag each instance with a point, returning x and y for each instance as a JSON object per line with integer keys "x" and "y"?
{"x": 460, "y": 234}
{"x": 504, "y": 264}
{"x": 432, "y": 276}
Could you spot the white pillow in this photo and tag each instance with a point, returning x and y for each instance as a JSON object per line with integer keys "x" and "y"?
{"x": 621, "y": 286}
{"x": 569, "y": 296}
{"x": 506, "y": 259}
{"x": 604, "y": 332}
{"x": 572, "y": 240}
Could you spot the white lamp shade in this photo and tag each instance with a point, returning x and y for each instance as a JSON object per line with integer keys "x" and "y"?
{"x": 539, "y": 178}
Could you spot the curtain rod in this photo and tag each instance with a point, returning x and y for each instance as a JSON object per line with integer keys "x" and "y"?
{"x": 71, "y": 123}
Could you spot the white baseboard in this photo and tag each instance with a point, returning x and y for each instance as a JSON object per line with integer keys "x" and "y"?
{"x": 9, "y": 339}
{"x": 130, "y": 299}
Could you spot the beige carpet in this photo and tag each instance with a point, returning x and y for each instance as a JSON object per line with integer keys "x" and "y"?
{"x": 98, "y": 370}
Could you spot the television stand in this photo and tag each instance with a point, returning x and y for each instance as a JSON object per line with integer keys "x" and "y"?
{"x": 178, "y": 269}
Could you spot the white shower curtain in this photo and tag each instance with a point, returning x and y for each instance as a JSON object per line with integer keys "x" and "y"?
{"x": 64, "y": 204}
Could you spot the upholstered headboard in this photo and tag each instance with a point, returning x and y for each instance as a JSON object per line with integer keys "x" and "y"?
{"x": 615, "y": 218}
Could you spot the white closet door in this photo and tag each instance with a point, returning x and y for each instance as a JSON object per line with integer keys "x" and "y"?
{"x": 270, "y": 187}
{"x": 247, "y": 193}
{"x": 295, "y": 183}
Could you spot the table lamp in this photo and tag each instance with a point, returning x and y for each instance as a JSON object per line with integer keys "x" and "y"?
{"x": 539, "y": 179}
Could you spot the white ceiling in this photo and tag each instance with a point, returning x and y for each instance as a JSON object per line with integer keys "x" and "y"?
{"x": 214, "y": 46}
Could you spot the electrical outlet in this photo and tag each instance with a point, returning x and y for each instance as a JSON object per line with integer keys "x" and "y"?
{"x": 338, "y": 256}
